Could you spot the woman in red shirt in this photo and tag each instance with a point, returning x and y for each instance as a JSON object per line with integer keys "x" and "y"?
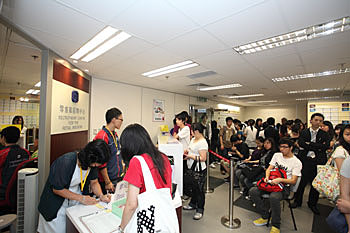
{"x": 136, "y": 141}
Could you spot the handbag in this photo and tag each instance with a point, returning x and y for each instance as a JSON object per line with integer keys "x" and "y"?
{"x": 274, "y": 174}
{"x": 155, "y": 211}
{"x": 194, "y": 175}
{"x": 336, "y": 220}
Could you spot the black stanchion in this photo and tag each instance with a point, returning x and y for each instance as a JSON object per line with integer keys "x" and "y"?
{"x": 229, "y": 221}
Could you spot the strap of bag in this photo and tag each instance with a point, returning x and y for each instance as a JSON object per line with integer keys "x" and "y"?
{"x": 147, "y": 175}
{"x": 200, "y": 164}
{"x": 193, "y": 167}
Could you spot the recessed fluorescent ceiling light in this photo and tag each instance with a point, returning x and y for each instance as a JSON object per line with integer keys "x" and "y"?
{"x": 319, "y": 98}
{"x": 114, "y": 41}
{"x": 30, "y": 91}
{"x": 170, "y": 69}
{"x": 94, "y": 42}
{"x": 240, "y": 96}
{"x": 219, "y": 87}
{"x": 313, "y": 90}
{"x": 311, "y": 75}
{"x": 38, "y": 84}
{"x": 338, "y": 25}
{"x": 229, "y": 107}
{"x": 35, "y": 92}
{"x": 262, "y": 101}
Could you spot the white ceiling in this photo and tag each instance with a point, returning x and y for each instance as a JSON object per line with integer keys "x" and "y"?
{"x": 170, "y": 31}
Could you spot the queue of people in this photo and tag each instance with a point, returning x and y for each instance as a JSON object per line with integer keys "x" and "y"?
{"x": 258, "y": 148}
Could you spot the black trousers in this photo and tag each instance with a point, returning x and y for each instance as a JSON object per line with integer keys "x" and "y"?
{"x": 308, "y": 172}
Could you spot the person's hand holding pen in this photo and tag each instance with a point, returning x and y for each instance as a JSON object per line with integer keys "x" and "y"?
{"x": 105, "y": 198}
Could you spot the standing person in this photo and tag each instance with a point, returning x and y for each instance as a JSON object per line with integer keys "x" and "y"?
{"x": 10, "y": 156}
{"x": 184, "y": 132}
{"x": 250, "y": 134}
{"x": 136, "y": 141}
{"x": 112, "y": 172}
{"x": 197, "y": 150}
{"x": 188, "y": 122}
{"x": 271, "y": 131}
{"x": 18, "y": 120}
{"x": 327, "y": 126}
{"x": 313, "y": 144}
{"x": 258, "y": 126}
{"x": 342, "y": 151}
{"x": 71, "y": 177}
{"x": 292, "y": 165}
{"x": 206, "y": 128}
{"x": 225, "y": 140}
{"x": 337, "y": 130}
{"x": 214, "y": 142}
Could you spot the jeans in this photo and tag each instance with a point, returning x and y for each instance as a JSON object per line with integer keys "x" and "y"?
{"x": 274, "y": 202}
{"x": 198, "y": 195}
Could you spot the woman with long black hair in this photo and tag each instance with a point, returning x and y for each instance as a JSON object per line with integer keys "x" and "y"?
{"x": 250, "y": 134}
{"x": 136, "y": 141}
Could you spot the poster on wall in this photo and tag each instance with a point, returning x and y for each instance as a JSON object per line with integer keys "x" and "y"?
{"x": 158, "y": 110}
{"x": 70, "y": 109}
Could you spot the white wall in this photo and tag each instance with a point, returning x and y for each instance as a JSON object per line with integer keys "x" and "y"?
{"x": 136, "y": 104}
{"x": 292, "y": 112}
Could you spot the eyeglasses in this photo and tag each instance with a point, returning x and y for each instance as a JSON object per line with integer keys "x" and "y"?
{"x": 284, "y": 147}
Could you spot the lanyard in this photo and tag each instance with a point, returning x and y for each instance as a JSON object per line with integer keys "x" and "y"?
{"x": 82, "y": 183}
{"x": 116, "y": 142}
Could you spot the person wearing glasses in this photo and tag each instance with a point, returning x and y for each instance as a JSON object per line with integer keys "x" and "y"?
{"x": 112, "y": 171}
{"x": 291, "y": 164}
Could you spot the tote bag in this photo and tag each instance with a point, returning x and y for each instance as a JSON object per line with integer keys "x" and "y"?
{"x": 155, "y": 211}
{"x": 327, "y": 180}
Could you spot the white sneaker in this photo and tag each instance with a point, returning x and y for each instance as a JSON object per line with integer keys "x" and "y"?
{"x": 212, "y": 165}
{"x": 187, "y": 207}
{"x": 197, "y": 216}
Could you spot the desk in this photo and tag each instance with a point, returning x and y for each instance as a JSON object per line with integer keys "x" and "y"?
{"x": 73, "y": 223}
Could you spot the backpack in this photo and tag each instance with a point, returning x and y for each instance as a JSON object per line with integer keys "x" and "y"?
{"x": 155, "y": 211}
{"x": 267, "y": 186}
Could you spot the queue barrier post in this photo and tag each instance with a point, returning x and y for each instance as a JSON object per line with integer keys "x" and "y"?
{"x": 229, "y": 221}
{"x": 207, "y": 187}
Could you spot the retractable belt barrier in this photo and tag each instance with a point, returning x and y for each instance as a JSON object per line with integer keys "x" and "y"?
{"x": 219, "y": 156}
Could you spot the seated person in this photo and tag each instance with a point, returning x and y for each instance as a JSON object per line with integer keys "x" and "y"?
{"x": 240, "y": 150}
{"x": 292, "y": 165}
{"x": 10, "y": 156}
{"x": 70, "y": 180}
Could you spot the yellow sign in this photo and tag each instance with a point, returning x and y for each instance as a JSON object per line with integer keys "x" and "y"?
{"x": 5, "y": 126}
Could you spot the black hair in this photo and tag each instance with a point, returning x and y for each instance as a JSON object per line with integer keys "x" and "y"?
{"x": 342, "y": 141}
{"x": 214, "y": 124}
{"x": 270, "y": 121}
{"x": 174, "y": 121}
{"x": 229, "y": 119}
{"x": 197, "y": 126}
{"x": 136, "y": 141}
{"x": 264, "y": 125}
{"x": 296, "y": 128}
{"x": 251, "y": 123}
{"x": 112, "y": 113}
{"x": 289, "y": 142}
{"x": 234, "y": 138}
{"x": 16, "y": 118}
{"x": 236, "y": 121}
{"x": 339, "y": 126}
{"x": 290, "y": 122}
{"x": 257, "y": 120}
{"x": 182, "y": 117}
{"x": 330, "y": 127}
{"x": 11, "y": 134}
{"x": 260, "y": 139}
{"x": 283, "y": 130}
{"x": 273, "y": 144}
{"x": 96, "y": 151}
{"x": 297, "y": 121}
{"x": 317, "y": 114}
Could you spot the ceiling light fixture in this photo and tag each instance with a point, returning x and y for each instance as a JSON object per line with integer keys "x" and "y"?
{"x": 240, "y": 96}
{"x": 338, "y": 25}
{"x": 318, "y": 98}
{"x": 171, "y": 68}
{"x": 30, "y": 91}
{"x": 38, "y": 84}
{"x": 94, "y": 42}
{"x": 219, "y": 87}
{"x": 311, "y": 75}
{"x": 314, "y": 90}
{"x": 229, "y": 107}
{"x": 114, "y": 41}
{"x": 261, "y": 101}
{"x": 35, "y": 92}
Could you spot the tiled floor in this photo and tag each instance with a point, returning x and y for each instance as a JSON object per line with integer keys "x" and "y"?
{"x": 217, "y": 206}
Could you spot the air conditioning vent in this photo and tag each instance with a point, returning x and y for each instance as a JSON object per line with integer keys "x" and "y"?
{"x": 199, "y": 85}
{"x": 201, "y": 74}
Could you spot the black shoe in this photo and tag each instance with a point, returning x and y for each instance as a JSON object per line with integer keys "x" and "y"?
{"x": 227, "y": 179}
{"x": 295, "y": 205}
{"x": 314, "y": 209}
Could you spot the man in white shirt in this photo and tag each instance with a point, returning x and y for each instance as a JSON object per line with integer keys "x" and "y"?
{"x": 292, "y": 165}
